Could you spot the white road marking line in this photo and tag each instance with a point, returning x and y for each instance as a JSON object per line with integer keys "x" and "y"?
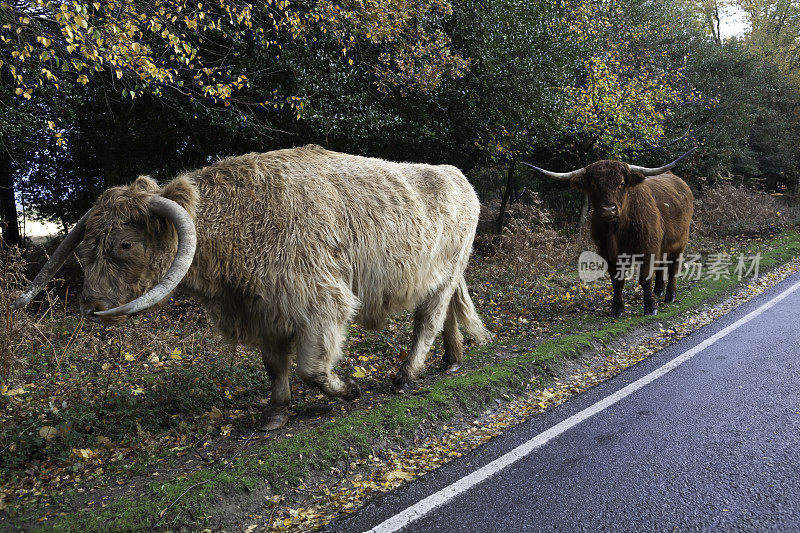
{"x": 425, "y": 506}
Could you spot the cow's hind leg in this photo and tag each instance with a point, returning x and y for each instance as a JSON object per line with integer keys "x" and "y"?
{"x": 672, "y": 275}
{"x": 658, "y": 283}
{"x": 429, "y": 318}
{"x": 318, "y": 349}
{"x": 453, "y": 341}
{"x": 277, "y": 362}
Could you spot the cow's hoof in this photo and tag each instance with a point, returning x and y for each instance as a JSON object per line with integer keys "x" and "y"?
{"x": 352, "y": 390}
{"x": 400, "y": 385}
{"x": 616, "y": 312}
{"x": 449, "y": 364}
{"x": 651, "y": 312}
{"x": 273, "y": 419}
{"x": 658, "y": 292}
{"x": 451, "y": 367}
{"x": 669, "y": 298}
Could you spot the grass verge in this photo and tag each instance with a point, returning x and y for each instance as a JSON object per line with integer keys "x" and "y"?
{"x": 270, "y": 468}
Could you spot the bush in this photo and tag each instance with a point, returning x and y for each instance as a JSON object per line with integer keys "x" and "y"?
{"x": 533, "y": 213}
{"x": 528, "y": 243}
{"x": 729, "y": 210}
{"x": 17, "y": 327}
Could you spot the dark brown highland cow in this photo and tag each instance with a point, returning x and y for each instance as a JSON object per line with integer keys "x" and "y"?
{"x": 639, "y": 215}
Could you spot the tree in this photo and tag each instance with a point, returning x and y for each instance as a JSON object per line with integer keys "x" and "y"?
{"x": 745, "y": 110}
{"x": 9, "y": 226}
{"x": 507, "y": 105}
{"x": 183, "y": 46}
{"x": 207, "y": 66}
{"x": 623, "y": 94}
{"x": 629, "y": 84}
{"x": 709, "y": 13}
{"x": 18, "y": 137}
{"x": 774, "y": 31}
{"x": 775, "y": 38}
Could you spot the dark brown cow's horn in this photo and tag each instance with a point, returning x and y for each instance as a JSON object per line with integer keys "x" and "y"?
{"x": 565, "y": 176}
{"x": 58, "y": 258}
{"x": 656, "y": 171}
{"x": 187, "y": 243}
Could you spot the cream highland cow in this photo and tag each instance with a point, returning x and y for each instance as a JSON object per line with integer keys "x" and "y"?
{"x": 284, "y": 249}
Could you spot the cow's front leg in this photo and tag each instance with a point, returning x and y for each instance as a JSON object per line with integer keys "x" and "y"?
{"x": 618, "y": 283}
{"x": 429, "y": 318}
{"x": 276, "y": 360}
{"x": 646, "y": 281}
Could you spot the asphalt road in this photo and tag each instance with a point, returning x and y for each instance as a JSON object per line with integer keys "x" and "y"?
{"x": 713, "y": 444}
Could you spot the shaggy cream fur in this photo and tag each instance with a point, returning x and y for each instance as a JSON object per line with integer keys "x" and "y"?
{"x": 294, "y": 244}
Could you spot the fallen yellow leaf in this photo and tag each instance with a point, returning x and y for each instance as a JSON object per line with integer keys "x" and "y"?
{"x": 48, "y": 432}
{"x": 213, "y": 414}
{"x": 399, "y": 474}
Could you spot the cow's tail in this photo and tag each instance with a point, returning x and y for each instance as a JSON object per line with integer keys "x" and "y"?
{"x": 461, "y": 305}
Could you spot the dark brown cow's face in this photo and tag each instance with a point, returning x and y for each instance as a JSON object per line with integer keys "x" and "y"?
{"x": 125, "y": 250}
{"x": 607, "y": 183}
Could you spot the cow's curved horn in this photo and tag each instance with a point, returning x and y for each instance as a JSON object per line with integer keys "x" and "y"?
{"x": 59, "y": 257}
{"x": 656, "y": 171}
{"x": 565, "y": 176}
{"x": 187, "y": 243}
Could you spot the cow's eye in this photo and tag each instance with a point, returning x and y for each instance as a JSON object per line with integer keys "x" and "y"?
{"x": 126, "y": 245}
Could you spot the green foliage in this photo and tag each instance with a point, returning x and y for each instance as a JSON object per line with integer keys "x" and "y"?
{"x": 520, "y": 52}
{"x": 94, "y": 93}
{"x": 744, "y": 116}
{"x": 774, "y": 31}
{"x": 183, "y": 46}
{"x": 474, "y": 83}
{"x": 623, "y": 94}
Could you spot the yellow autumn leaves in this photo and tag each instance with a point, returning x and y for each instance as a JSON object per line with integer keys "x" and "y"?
{"x": 622, "y": 103}
{"x": 174, "y": 43}
{"x": 624, "y": 109}
{"x": 148, "y": 45}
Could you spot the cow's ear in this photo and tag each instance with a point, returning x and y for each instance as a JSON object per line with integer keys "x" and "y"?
{"x": 632, "y": 179}
{"x": 183, "y": 192}
{"x": 144, "y": 184}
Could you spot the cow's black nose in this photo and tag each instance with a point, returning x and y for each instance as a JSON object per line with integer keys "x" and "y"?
{"x": 609, "y": 211}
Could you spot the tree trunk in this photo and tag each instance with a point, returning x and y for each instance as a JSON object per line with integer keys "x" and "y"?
{"x": 501, "y": 216}
{"x": 8, "y": 204}
{"x": 771, "y": 184}
{"x": 584, "y": 214}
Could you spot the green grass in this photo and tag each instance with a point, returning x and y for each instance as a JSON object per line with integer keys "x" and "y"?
{"x": 286, "y": 462}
